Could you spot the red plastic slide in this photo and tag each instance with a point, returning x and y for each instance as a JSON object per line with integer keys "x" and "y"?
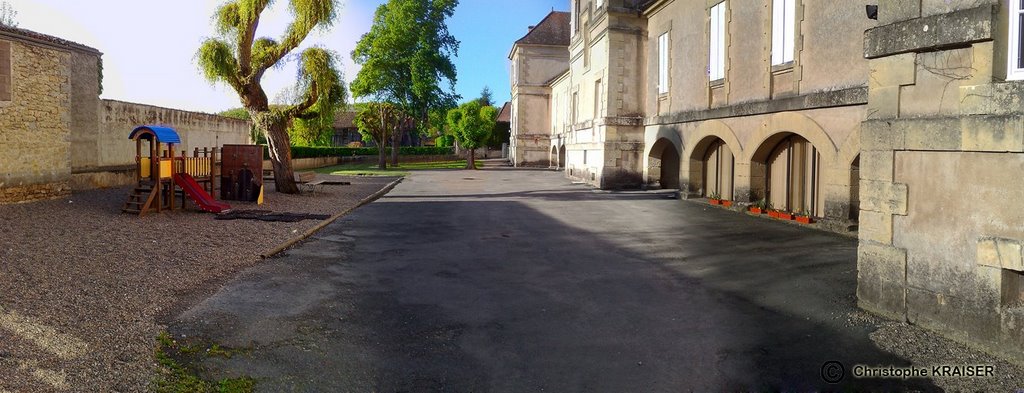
{"x": 198, "y": 195}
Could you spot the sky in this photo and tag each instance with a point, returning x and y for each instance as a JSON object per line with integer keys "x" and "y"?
{"x": 149, "y": 46}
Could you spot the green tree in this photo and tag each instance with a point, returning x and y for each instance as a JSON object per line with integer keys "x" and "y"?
{"x": 376, "y": 122}
{"x": 471, "y": 124}
{"x": 486, "y": 97}
{"x": 239, "y": 59}
{"x": 7, "y": 15}
{"x": 406, "y": 59}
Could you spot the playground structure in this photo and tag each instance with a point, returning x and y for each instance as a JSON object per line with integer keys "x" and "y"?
{"x": 161, "y": 173}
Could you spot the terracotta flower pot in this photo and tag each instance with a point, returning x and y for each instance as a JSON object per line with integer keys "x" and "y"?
{"x": 755, "y": 210}
{"x": 785, "y": 216}
{"x": 804, "y": 219}
{"x": 773, "y": 214}
{"x": 715, "y": 201}
{"x": 727, "y": 203}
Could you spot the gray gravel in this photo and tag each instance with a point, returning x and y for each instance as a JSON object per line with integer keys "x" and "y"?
{"x": 78, "y": 271}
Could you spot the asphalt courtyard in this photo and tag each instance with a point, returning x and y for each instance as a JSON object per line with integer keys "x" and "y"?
{"x": 518, "y": 280}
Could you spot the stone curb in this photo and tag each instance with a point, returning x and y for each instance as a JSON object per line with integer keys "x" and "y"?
{"x": 312, "y": 231}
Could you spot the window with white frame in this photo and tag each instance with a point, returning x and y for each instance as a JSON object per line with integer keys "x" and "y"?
{"x": 783, "y": 31}
{"x": 716, "y": 62}
{"x": 1015, "y": 68}
{"x": 663, "y": 59}
{"x": 598, "y": 3}
{"x": 575, "y": 17}
{"x": 597, "y": 98}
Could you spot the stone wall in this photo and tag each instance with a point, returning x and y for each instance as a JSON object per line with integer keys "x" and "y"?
{"x": 36, "y": 132}
{"x": 943, "y": 147}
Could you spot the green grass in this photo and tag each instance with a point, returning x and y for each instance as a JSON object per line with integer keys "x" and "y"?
{"x": 403, "y": 168}
{"x": 175, "y": 375}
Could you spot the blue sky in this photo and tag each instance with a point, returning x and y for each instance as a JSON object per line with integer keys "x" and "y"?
{"x": 149, "y": 45}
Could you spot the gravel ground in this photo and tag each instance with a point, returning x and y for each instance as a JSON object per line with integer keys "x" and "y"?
{"x": 86, "y": 287}
{"x": 926, "y": 349}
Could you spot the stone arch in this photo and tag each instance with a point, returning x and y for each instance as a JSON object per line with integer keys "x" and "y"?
{"x": 849, "y": 162}
{"x": 555, "y": 162}
{"x": 788, "y": 156}
{"x": 561, "y": 157}
{"x": 711, "y": 153}
{"x": 664, "y": 163}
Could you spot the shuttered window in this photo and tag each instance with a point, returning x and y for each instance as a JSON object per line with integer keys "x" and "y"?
{"x": 663, "y": 59}
{"x": 784, "y": 31}
{"x": 716, "y": 63}
{"x": 5, "y": 71}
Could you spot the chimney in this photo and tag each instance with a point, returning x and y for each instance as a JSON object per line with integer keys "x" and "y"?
{"x": 529, "y": 29}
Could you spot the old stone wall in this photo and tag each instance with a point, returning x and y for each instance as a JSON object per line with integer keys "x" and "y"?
{"x": 35, "y": 131}
{"x": 943, "y": 144}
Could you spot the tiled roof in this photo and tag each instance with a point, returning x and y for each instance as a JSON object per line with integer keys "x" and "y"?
{"x": 346, "y": 119}
{"x": 553, "y": 30}
{"x": 33, "y": 36}
{"x": 505, "y": 116}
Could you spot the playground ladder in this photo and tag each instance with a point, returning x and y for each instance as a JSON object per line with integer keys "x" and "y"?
{"x": 140, "y": 200}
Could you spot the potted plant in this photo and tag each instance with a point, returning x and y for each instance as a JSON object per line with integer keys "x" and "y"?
{"x": 785, "y": 215}
{"x": 758, "y": 207}
{"x": 715, "y": 198}
{"x": 726, "y": 203}
{"x": 772, "y": 211}
{"x": 804, "y": 218}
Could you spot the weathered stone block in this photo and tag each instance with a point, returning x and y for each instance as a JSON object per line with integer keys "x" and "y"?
{"x": 991, "y": 99}
{"x": 884, "y": 102}
{"x": 891, "y": 11}
{"x": 1001, "y": 253}
{"x": 875, "y": 226}
{"x": 993, "y": 134}
{"x": 899, "y": 70}
{"x": 880, "y": 135}
{"x": 883, "y": 197}
{"x": 933, "y": 32}
{"x": 931, "y": 134}
{"x": 877, "y": 165}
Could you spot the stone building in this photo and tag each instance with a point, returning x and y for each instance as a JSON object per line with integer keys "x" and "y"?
{"x": 908, "y": 128}
{"x": 942, "y": 153}
{"x": 48, "y": 89}
{"x": 56, "y": 134}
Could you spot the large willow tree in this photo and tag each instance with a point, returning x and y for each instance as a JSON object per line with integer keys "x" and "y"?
{"x": 239, "y": 59}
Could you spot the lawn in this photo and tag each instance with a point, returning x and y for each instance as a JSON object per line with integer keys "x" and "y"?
{"x": 402, "y": 169}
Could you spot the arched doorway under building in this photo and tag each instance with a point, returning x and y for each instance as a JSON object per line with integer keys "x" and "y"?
{"x": 712, "y": 168}
{"x": 786, "y": 171}
{"x": 855, "y": 189}
{"x": 561, "y": 157}
{"x": 555, "y": 161}
{"x": 664, "y": 164}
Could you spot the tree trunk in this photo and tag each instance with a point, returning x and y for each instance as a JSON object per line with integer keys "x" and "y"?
{"x": 382, "y": 155}
{"x": 471, "y": 160}
{"x": 396, "y": 141}
{"x": 280, "y": 156}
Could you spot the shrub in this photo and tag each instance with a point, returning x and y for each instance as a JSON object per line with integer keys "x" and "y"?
{"x": 315, "y": 152}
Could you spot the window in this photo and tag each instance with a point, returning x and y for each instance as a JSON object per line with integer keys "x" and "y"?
{"x": 783, "y": 31}
{"x": 716, "y": 63}
{"x": 515, "y": 73}
{"x": 597, "y": 99}
{"x": 575, "y": 107}
{"x": 1015, "y": 70}
{"x": 663, "y": 58}
{"x": 575, "y": 20}
{"x": 598, "y": 3}
{"x": 5, "y": 71}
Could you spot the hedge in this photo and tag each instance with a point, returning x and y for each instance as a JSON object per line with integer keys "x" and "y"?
{"x": 316, "y": 152}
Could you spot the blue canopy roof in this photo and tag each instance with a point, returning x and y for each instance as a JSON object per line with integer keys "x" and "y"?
{"x": 163, "y": 134}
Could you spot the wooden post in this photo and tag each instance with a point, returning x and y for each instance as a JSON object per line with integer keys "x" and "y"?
{"x": 138, "y": 161}
{"x": 214, "y": 173}
{"x": 154, "y": 158}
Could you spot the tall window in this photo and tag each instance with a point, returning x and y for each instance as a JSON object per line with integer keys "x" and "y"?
{"x": 663, "y": 58}
{"x": 515, "y": 72}
{"x": 1015, "y": 70}
{"x": 598, "y": 3}
{"x": 575, "y": 107}
{"x": 5, "y": 71}
{"x": 597, "y": 99}
{"x": 783, "y": 31}
{"x": 575, "y": 19}
{"x": 716, "y": 64}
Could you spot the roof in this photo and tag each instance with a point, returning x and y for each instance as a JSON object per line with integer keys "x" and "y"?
{"x": 505, "y": 116}
{"x": 163, "y": 134}
{"x": 43, "y": 38}
{"x": 346, "y": 119}
{"x": 553, "y": 30}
